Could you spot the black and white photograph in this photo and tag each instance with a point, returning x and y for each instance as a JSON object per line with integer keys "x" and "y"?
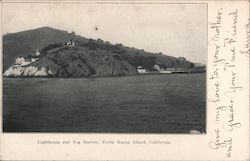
{"x": 104, "y": 68}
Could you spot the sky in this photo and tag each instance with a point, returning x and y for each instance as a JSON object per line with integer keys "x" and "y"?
{"x": 178, "y": 30}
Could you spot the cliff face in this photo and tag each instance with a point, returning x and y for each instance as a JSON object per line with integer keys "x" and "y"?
{"x": 73, "y": 62}
{"x": 85, "y": 57}
{"x": 28, "y": 71}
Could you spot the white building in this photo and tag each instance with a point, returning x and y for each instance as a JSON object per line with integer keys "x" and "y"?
{"x": 157, "y": 67}
{"x": 22, "y": 61}
{"x": 141, "y": 70}
{"x": 70, "y": 43}
{"x": 33, "y": 59}
{"x": 37, "y": 52}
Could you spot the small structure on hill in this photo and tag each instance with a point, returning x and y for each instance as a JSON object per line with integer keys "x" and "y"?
{"x": 38, "y": 53}
{"x": 34, "y": 59}
{"x": 71, "y": 43}
{"x": 182, "y": 58}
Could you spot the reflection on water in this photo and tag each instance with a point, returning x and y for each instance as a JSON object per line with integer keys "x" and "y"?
{"x": 172, "y": 103}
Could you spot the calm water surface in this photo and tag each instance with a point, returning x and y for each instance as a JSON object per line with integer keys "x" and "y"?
{"x": 172, "y": 103}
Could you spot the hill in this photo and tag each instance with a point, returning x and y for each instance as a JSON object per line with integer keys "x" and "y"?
{"x": 26, "y": 42}
{"x": 87, "y": 57}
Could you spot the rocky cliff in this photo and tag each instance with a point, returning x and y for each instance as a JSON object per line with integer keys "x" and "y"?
{"x": 86, "y": 57}
{"x": 73, "y": 62}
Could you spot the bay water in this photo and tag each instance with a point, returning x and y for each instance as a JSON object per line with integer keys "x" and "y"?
{"x": 167, "y": 103}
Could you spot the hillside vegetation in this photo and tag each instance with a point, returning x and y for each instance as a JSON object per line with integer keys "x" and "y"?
{"x": 88, "y": 57}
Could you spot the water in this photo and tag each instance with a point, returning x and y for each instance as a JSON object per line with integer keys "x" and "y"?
{"x": 173, "y": 103}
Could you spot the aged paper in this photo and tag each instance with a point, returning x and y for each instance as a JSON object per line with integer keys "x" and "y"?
{"x": 227, "y": 41}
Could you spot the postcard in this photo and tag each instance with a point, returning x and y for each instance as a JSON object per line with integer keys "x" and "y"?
{"x": 125, "y": 80}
